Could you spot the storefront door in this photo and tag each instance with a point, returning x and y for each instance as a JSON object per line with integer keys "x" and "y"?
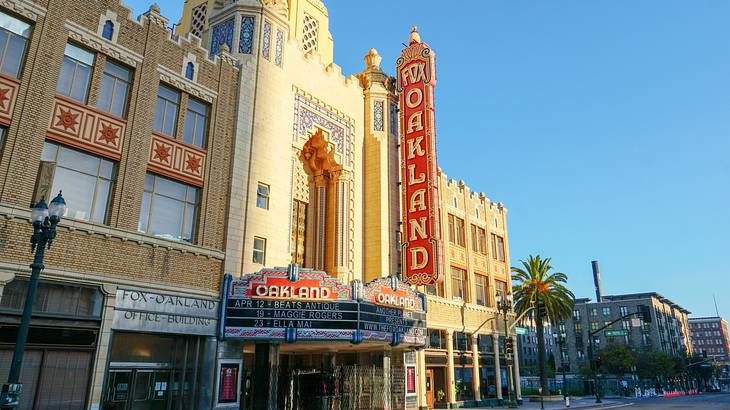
{"x": 429, "y": 388}
{"x": 138, "y": 389}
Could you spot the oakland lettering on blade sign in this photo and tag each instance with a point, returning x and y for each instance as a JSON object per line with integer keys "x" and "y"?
{"x": 422, "y": 246}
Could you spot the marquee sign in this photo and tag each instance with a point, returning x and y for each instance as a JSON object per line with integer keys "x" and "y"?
{"x": 422, "y": 246}
{"x": 293, "y": 304}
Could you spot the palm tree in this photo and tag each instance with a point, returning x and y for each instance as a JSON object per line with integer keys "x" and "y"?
{"x": 544, "y": 290}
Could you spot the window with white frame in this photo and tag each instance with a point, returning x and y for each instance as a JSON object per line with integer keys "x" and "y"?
{"x": 14, "y": 35}
{"x": 75, "y": 76}
{"x": 259, "y": 250}
{"x": 169, "y": 208}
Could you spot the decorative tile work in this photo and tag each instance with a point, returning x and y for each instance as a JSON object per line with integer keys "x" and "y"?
{"x": 197, "y": 21}
{"x": 308, "y": 113}
{"x": 310, "y": 31}
{"x": 266, "y": 46}
{"x": 394, "y": 119}
{"x": 378, "y": 108}
{"x": 8, "y": 92}
{"x": 245, "y": 39}
{"x": 176, "y": 160}
{"x": 222, "y": 34}
{"x": 86, "y": 128}
{"x": 279, "y": 47}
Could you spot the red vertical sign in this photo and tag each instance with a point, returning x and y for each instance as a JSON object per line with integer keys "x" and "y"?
{"x": 422, "y": 246}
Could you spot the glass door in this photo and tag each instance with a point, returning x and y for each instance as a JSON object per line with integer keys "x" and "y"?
{"x": 138, "y": 389}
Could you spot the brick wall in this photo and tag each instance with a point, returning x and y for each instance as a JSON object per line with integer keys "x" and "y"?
{"x": 146, "y": 46}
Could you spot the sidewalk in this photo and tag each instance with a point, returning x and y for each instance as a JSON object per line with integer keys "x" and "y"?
{"x": 588, "y": 402}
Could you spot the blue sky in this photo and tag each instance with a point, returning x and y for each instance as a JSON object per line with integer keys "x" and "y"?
{"x": 603, "y": 126}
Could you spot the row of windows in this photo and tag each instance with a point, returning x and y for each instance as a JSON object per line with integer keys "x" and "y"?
{"x": 705, "y": 325}
{"x": 75, "y": 77}
{"x": 457, "y": 236}
{"x": 169, "y": 208}
{"x": 460, "y": 287}
{"x": 707, "y": 333}
{"x": 708, "y": 342}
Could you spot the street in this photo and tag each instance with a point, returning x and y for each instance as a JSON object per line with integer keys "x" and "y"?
{"x": 705, "y": 401}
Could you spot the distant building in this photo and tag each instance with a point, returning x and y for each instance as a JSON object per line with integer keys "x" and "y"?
{"x": 710, "y": 336}
{"x": 528, "y": 351}
{"x": 667, "y": 332}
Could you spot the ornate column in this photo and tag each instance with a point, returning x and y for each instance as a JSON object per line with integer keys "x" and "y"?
{"x": 450, "y": 379}
{"x": 421, "y": 357}
{"x": 497, "y": 370}
{"x": 475, "y": 361}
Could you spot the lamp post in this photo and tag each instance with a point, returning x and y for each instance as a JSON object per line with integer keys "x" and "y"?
{"x": 561, "y": 345}
{"x": 45, "y": 219}
{"x": 504, "y": 304}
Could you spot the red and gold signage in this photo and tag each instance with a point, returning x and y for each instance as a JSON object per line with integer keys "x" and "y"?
{"x": 276, "y": 284}
{"x": 391, "y": 292}
{"x": 422, "y": 246}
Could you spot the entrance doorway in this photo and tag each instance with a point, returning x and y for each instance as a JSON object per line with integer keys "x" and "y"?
{"x": 138, "y": 389}
{"x": 429, "y": 388}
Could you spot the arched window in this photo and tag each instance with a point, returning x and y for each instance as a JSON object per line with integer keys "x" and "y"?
{"x": 189, "y": 71}
{"x": 108, "y": 30}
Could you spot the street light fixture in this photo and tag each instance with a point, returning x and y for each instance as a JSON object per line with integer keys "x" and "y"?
{"x": 505, "y": 305}
{"x": 561, "y": 345}
{"x": 45, "y": 219}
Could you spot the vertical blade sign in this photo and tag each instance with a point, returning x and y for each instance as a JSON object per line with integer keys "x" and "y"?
{"x": 422, "y": 247}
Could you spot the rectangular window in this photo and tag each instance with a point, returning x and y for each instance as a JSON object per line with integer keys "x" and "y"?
{"x": 169, "y": 209}
{"x": 498, "y": 248}
{"x": 482, "y": 233}
{"x": 594, "y": 325}
{"x": 168, "y": 104}
{"x": 86, "y": 181}
{"x": 436, "y": 339}
{"x": 75, "y": 77}
{"x": 196, "y": 123}
{"x": 594, "y": 312}
{"x": 500, "y": 287}
{"x": 298, "y": 232}
{"x": 452, "y": 231}
{"x": 578, "y": 327}
{"x": 606, "y": 311}
{"x": 474, "y": 239}
{"x": 458, "y": 283}
{"x": 462, "y": 341}
{"x": 460, "y": 231}
{"x": 435, "y": 290}
{"x": 480, "y": 282}
{"x": 14, "y": 35}
{"x": 259, "y": 250}
{"x": 623, "y": 310}
{"x": 262, "y": 196}
{"x": 576, "y": 314}
{"x": 114, "y": 89}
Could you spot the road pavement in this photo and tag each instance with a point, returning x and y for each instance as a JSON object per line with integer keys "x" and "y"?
{"x": 710, "y": 401}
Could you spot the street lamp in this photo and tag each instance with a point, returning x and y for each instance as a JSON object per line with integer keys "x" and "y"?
{"x": 504, "y": 304}
{"x": 45, "y": 219}
{"x": 561, "y": 345}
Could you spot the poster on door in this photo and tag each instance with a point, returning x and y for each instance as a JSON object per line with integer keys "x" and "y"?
{"x": 228, "y": 387}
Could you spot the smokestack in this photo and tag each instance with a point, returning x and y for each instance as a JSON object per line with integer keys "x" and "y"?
{"x": 597, "y": 281}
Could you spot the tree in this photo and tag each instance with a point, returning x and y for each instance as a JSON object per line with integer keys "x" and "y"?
{"x": 551, "y": 366}
{"x": 618, "y": 359}
{"x": 651, "y": 365}
{"x": 536, "y": 286}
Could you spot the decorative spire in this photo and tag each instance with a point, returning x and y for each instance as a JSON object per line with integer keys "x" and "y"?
{"x": 414, "y": 37}
{"x": 373, "y": 59}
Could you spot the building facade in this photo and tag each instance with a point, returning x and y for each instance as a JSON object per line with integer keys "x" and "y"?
{"x": 527, "y": 345}
{"x": 466, "y": 333}
{"x": 667, "y": 332}
{"x": 136, "y": 127}
{"x": 316, "y": 182}
{"x": 710, "y": 337}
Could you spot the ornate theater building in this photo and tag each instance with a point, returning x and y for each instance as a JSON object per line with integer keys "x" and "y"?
{"x": 257, "y": 231}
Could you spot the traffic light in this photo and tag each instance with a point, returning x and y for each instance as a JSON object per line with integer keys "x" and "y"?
{"x": 508, "y": 346}
{"x": 704, "y": 354}
{"x": 541, "y": 311}
{"x": 599, "y": 361}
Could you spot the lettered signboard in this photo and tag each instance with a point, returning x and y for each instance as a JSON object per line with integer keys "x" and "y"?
{"x": 422, "y": 245}
{"x": 293, "y": 304}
